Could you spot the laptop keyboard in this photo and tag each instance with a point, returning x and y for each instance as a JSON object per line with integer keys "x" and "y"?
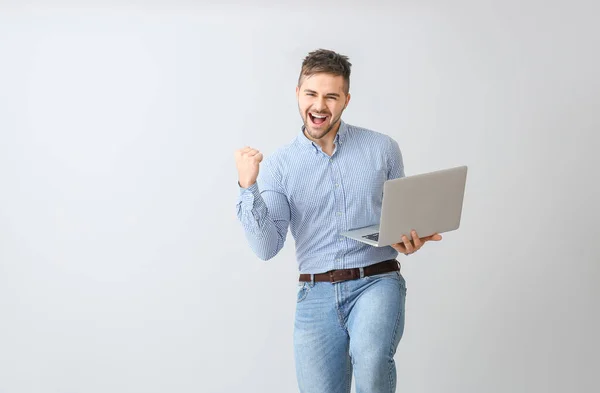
{"x": 373, "y": 236}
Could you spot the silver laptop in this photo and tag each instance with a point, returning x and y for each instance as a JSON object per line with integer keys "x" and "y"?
{"x": 428, "y": 203}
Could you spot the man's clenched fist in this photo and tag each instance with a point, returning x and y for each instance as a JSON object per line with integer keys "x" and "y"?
{"x": 247, "y": 161}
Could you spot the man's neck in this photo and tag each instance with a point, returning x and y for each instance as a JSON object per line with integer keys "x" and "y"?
{"x": 326, "y": 143}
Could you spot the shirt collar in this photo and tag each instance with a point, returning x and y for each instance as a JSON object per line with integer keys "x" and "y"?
{"x": 339, "y": 138}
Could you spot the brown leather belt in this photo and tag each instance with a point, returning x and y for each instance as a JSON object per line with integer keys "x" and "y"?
{"x": 354, "y": 273}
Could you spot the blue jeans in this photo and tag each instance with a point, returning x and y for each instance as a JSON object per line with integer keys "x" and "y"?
{"x": 346, "y": 328}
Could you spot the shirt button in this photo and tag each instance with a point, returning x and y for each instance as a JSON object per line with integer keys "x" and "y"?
{"x": 337, "y": 185}
{"x": 339, "y": 213}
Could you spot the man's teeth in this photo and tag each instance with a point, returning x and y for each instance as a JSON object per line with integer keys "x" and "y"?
{"x": 318, "y": 117}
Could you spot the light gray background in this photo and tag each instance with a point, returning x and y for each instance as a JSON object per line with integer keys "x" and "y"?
{"x": 123, "y": 267}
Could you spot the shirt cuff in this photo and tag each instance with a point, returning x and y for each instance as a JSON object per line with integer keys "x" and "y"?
{"x": 248, "y": 196}
{"x": 252, "y": 188}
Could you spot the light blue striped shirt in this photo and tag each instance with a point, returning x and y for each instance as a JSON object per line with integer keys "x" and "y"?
{"x": 317, "y": 197}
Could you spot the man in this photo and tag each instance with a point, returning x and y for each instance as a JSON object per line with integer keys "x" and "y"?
{"x": 351, "y": 296}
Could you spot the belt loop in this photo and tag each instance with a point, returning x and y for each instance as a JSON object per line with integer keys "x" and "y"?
{"x": 312, "y": 280}
{"x": 362, "y": 272}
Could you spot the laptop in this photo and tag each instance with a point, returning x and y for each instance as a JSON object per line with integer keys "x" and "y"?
{"x": 428, "y": 203}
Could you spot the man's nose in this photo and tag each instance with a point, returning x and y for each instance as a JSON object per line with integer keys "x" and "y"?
{"x": 319, "y": 104}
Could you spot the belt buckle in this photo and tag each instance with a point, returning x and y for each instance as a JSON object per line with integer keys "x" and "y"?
{"x": 342, "y": 276}
{"x": 331, "y": 280}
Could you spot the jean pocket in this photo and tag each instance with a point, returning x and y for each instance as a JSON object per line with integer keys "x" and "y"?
{"x": 393, "y": 274}
{"x": 303, "y": 289}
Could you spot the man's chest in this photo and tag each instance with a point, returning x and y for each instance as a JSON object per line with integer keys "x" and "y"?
{"x": 327, "y": 184}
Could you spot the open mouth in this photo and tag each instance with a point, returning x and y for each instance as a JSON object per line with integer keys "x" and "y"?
{"x": 317, "y": 119}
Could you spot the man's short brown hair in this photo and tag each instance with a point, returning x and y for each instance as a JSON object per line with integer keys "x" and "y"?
{"x": 327, "y": 61}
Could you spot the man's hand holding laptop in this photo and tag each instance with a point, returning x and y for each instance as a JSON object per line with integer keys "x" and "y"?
{"x": 408, "y": 247}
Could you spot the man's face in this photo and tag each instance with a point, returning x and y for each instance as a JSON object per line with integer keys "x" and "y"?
{"x": 321, "y": 101}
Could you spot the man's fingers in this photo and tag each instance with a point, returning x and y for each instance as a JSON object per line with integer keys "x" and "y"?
{"x": 249, "y": 152}
{"x": 255, "y": 154}
{"x": 407, "y": 244}
{"x": 241, "y": 152}
{"x": 399, "y": 247}
{"x": 435, "y": 237}
{"x": 416, "y": 239}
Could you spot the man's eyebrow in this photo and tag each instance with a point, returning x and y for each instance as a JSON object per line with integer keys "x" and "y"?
{"x": 328, "y": 94}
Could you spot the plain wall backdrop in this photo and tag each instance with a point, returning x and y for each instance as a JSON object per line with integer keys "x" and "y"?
{"x": 123, "y": 267}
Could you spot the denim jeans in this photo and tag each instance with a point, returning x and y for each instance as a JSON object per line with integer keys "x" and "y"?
{"x": 349, "y": 328}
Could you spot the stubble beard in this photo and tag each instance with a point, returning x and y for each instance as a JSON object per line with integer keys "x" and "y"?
{"x": 308, "y": 129}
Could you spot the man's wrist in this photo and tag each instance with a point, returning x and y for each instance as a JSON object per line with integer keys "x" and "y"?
{"x": 245, "y": 185}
